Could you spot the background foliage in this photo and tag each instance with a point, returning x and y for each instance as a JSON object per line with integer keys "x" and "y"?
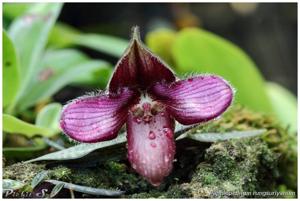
{"x": 44, "y": 59}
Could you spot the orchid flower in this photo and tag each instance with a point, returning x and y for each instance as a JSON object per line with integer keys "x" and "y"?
{"x": 144, "y": 93}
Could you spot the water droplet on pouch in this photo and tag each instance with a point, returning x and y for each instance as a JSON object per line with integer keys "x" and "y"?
{"x": 155, "y": 183}
{"x": 151, "y": 135}
{"x": 133, "y": 165}
{"x": 138, "y": 120}
{"x": 166, "y": 159}
{"x": 153, "y": 144}
{"x": 167, "y": 132}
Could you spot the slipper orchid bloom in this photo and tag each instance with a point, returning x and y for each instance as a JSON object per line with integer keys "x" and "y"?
{"x": 146, "y": 95}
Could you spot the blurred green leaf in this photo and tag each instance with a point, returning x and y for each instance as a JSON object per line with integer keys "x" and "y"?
{"x": 71, "y": 57}
{"x": 53, "y": 58}
{"x": 13, "y": 125}
{"x": 29, "y": 34}
{"x": 56, "y": 74}
{"x": 197, "y": 50}
{"x": 63, "y": 36}
{"x": 25, "y": 152}
{"x": 160, "y": 42}
{"x": 284, "y": 105}
{"x": 10, "y": 67}
{"x": 13, "y": 10}
{"x": 103, "y": 43}
{"x": 48, "y": 117}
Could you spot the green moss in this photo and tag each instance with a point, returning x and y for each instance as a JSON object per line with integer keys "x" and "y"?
{"x": 237, "y": 166}
{"x": 22, "y": 171}
{"x": 61, "y": 173}
{"x": 278, "y": 139}
{"x": 175, "y": 191}
{"x": 110, "y": 175}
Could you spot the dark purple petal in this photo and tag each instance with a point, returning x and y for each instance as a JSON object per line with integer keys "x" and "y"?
{"x": 196, "y": 99}
{"x": 96, "y": 118}
{"x": 151, "y": 146}
{"x": 138, "y": 67}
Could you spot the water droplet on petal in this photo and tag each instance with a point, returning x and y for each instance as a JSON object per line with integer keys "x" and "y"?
{"x": 151, "y": 135}
{"x": 162, "y": 114}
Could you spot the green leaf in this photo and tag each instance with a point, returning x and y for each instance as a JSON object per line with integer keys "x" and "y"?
{"x": 29, "y": 34}
{"x": 53, "y": 58}
{"x": 56, "y": 189}
{"x": 160, "y": 42}
{"x": 23, "y": 153}
{"x": 196, "y": 50}
{"x": 53, "y": 144}
{"x": 13, "y": 125}
{"x": 107, "y": 44}
{"x": 9, "y": 184}
{"x": 41, "y": 176}
{"x": 13, "y": 10}
{"x": 63, "y": 35}
{"x": 58, "y": 76}
{"x": 49, "y": 116}
{"x": 215, "y": 137}
{"x": 88, "y": 190}
{"x": 80, "y": 150}
{"x": 10, "y": 67}
{"x": 284, "y": 105}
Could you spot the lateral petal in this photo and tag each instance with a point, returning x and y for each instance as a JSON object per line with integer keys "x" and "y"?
{"x": 151, "y": 146}
{"x": 138, "y": 67}
{"x": 194, "y": 100}
{"x": 96, "y": 118}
